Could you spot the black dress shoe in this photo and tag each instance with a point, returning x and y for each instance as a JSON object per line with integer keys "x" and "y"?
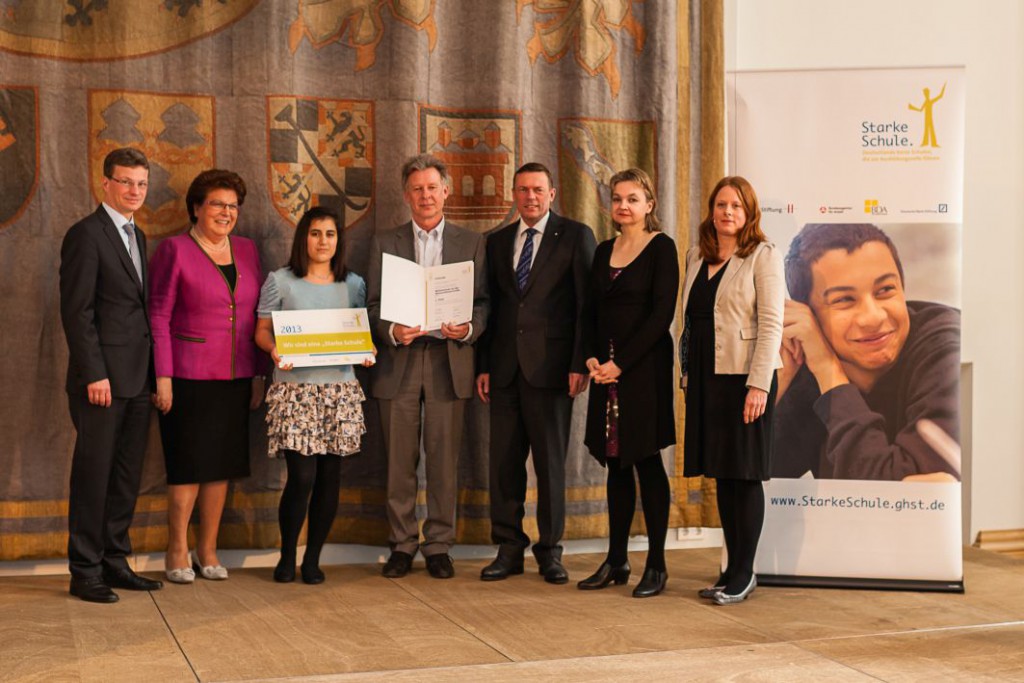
{"x": 503, "y": 567}
{"x": 92, "y": 589}
{"x": 440, "y": 566}
{"x": 284, "y": 572}
{"x": 604, "y": 575}
{"x": 553, "y": 571}
{"x": 397, "y": 566}
{"x": 652, "y": 583}
{"x": 312, "y": 574}
{"x": 129, "y": 580}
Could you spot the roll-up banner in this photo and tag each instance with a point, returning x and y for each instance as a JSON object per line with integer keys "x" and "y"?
{"x": 860, "y": 178}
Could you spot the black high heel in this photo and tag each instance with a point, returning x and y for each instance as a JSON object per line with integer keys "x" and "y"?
{"x": 652, "y": 583}
{"x": 605, "y": 575}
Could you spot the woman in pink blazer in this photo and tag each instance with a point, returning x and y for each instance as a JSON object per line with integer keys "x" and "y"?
{"x": 204, "y": 287}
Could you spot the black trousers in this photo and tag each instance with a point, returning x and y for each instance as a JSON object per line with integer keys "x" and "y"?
{"x": 105, "y": 473}
{"x": 525, "y": 418}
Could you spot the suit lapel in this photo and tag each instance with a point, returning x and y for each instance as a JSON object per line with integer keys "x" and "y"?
{"x": 505, "y": 250}
{"x": 548, "y": 244}
{"x": 117, "y": 244}
{"x": 451, "y": 244}
{"x": 405, "y": 245}
{"x": 140, "y": 241}
{"x": 731, "y": 269}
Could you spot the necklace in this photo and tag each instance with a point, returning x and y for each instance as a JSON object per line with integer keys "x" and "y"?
{"x": 209, "y": 246}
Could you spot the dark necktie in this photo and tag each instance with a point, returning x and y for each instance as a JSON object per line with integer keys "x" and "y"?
{"x": 133, "y": 248}
{"x": 525, "y": 259}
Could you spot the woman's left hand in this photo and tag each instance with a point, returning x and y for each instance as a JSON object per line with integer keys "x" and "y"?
{"x": 606, "y": 373}
{"x": 258, "y": 389}
{"x": 753, "y": 407}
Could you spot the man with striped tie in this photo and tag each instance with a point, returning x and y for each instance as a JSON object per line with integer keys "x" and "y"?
{"x": 531, "y": 367}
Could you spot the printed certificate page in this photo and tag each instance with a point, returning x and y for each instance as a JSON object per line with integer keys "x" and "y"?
{"x": 412, "y": 295}
{"x": 449, "y": 294}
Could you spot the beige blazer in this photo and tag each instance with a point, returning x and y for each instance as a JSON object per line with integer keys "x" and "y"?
{"x": 748, "y": 314}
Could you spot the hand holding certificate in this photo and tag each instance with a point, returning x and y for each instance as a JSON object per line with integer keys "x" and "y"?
{"x": 334, "y": 336}
{"x": 425, "y": 297}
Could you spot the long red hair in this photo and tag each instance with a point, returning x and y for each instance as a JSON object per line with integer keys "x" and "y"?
{"x": 750, "y": 235}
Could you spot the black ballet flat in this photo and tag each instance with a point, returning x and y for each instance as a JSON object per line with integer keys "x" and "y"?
{"x": 605, "y": 575}
{"x": 284, "y": 572}
{"x": 652, "y": 583}
{"x": 312, "y": 574}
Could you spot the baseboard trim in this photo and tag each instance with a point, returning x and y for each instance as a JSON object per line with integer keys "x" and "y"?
{"x": 1006, "y": 541}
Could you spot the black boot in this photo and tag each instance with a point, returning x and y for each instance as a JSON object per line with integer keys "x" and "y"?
{"x": 652, "y": 583}
{"x": 605, "y": 575}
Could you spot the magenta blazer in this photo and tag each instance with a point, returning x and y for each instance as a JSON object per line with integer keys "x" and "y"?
{"x": 201, "y": 328}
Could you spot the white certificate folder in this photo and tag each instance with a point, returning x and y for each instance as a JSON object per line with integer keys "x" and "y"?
{"x": 413, "y": 295}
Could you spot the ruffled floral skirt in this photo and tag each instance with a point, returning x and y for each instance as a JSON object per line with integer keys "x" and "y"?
{"x": 315, "y": 418}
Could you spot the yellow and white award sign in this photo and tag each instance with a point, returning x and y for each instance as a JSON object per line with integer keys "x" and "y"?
{"x": 331, "y": 336}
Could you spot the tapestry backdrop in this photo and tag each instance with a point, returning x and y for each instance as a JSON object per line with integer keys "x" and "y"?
{"x": 318, "y": 102}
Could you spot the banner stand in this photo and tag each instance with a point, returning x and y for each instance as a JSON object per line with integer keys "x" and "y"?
{"x": 859, "y": 173}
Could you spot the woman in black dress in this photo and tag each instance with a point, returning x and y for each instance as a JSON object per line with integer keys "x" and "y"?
{"x": 635, "y": 284}
{"x": 732, "y": 307}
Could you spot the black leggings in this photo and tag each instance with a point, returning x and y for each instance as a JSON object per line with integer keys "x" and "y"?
{"x": 741, "y": 508}
{"x": 655, "y": 497}
{"x": 313, "y": 485}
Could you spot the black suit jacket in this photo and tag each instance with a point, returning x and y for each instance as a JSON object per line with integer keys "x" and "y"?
{"x": 103, "y": 308}
{"x": 539, "y": 330}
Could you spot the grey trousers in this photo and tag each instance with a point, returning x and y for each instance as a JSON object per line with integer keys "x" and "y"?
{"x": 425, "y": 408}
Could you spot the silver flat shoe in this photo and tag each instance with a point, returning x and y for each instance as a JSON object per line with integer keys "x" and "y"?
{"x": 214, "y": 572}
{"x": 180, "y": 575}
{"x": 723, "y": 598}
{"x": 710, "y": 592}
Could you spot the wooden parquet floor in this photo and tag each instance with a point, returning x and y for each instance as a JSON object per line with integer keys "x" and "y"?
{"x": 359, "y": 626}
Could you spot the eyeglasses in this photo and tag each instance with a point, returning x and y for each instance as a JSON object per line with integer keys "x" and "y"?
{"x": 217, "y": 205}
{"x": 124, "y": 182}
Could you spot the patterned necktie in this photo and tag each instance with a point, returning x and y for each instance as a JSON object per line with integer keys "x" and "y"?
{"x": 525, "y": 259}
{"x": 133, "y": 248}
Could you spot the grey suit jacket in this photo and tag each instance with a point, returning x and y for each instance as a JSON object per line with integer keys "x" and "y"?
{"x": 748, "y": 313}
{"x": 459, "y": 244}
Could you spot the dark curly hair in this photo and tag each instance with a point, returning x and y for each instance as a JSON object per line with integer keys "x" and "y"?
{"x": 208, "y": 181}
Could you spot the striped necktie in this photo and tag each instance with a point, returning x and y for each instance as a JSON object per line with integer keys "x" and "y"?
{"x": 525, "y": 260}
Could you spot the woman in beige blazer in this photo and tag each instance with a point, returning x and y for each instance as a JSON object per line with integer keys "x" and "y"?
{"x": 732, "y": 307}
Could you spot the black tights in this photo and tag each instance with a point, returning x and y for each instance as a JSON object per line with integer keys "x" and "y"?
{"x": 655, "y": 497}
{"x": 313, "y": 484}
{"x": 741, "y": 508}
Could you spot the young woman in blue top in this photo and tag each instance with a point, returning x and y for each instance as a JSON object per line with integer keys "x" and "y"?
{"x": 314, "y": 414}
